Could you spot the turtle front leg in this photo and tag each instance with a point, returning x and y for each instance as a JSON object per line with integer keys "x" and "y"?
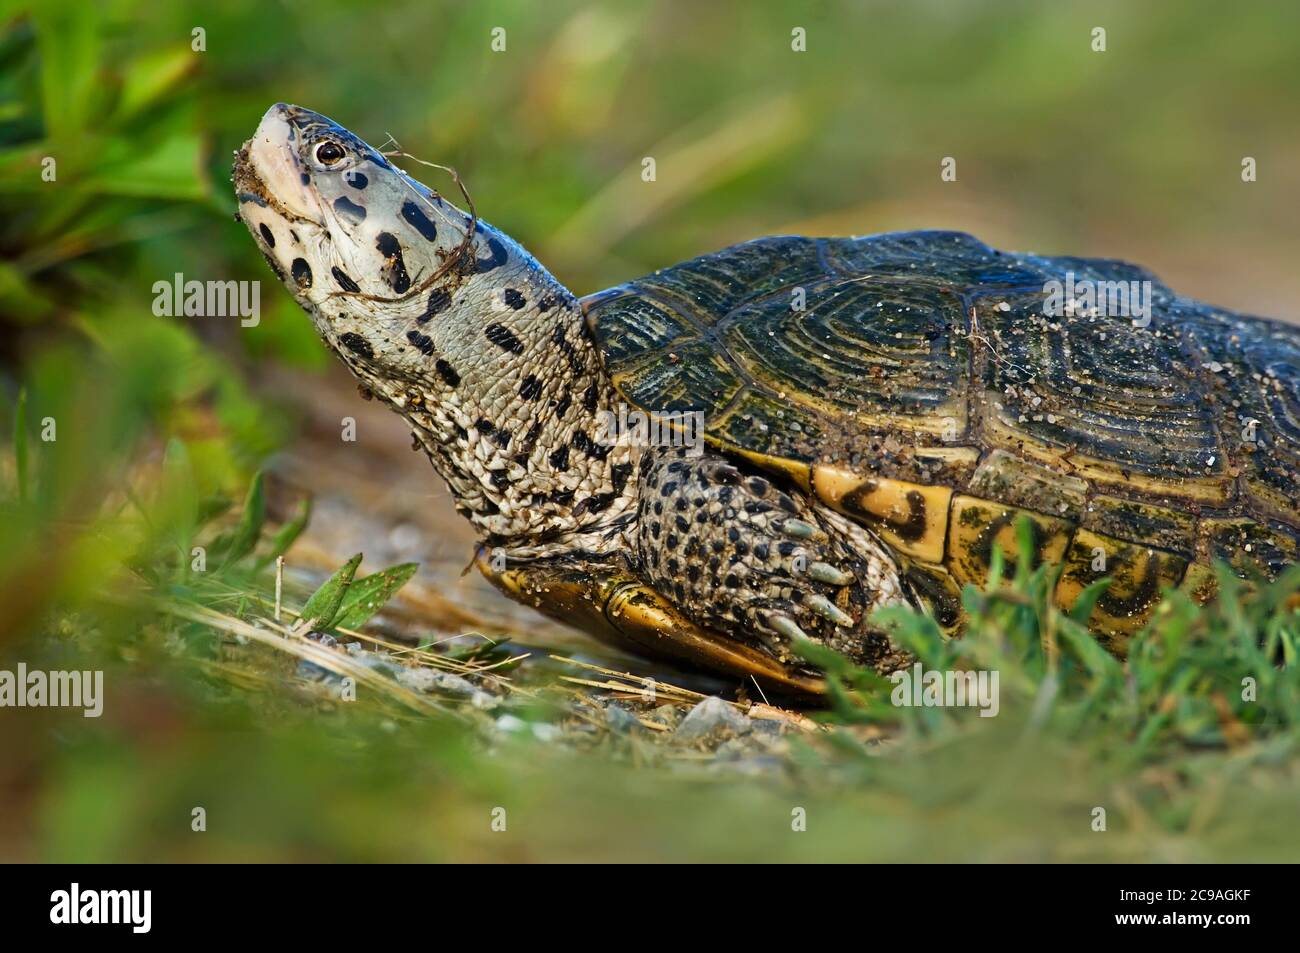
{"x": 737, "y": 553}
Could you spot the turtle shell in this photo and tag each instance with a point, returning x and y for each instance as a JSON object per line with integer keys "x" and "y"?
{"x": 921, "y": 383}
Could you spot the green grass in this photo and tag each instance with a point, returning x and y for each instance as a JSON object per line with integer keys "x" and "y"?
{"x": 1189, "y": 747}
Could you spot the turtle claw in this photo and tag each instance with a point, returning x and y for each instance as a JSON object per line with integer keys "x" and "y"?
{"x": 829, "y": 610}
{"x": 824, "y": 572}
{"x": 724, "y": 473}
{"x": 786, "y": 626}
{"x": 798, "y": 529}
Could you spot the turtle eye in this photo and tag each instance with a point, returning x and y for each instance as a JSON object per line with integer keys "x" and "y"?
{"x": 328, "y": 152}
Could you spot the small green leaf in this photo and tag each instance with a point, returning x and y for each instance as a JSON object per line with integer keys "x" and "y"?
{"x": 997, "y": 569}
{"x": 71, "y": 43}
{"x": 323, "y": 606}
{"x": 1026, "y": 550}
{"x": 153, "y": 77}
{"x": 368, "y": 595}
{"x": 914, "y": 631}
{"x": 249, "y": 530}
{"x": 1097, "y": 660}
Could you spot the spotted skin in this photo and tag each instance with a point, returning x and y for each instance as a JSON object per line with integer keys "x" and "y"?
{"x": 756, "y": 559}
{"x": 492, "y": 338}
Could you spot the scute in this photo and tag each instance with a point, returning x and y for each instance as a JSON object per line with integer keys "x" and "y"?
{"x": 716, "y": 284}
{"x": 1253, "y": 372}
{"x": 1125, "y": 399}
{"x": 694, "y": 376}
{"x": 925, "y": 365}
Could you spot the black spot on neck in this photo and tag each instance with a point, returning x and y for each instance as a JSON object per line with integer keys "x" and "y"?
{"x": 531, "y": 388}
{"x": 496, "y": 257}
{"x": 349, "y": 209}
{"x": 565, "y": 345}
{"x": 357, "y": 344}
{"x": 267, "y": 235}
{"x": 346, "y": 283}
{"x": 301, "y": 272}
{"x": 504, "y": 338}
{"x": 395, "y": 268}
{"x": 447, "y": 373}
{"x": 422, "y": 341}
{"x": 514, "y": 299}
{"x": 419, "y": 221}
{"x": 439, "y": 299}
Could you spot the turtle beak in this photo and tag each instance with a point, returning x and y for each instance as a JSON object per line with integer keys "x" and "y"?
{"x": 269, "y": 165}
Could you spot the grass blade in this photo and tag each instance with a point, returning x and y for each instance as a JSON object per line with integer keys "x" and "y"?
{"x": 368, "y": 595}
{"x": 323, "y": 606}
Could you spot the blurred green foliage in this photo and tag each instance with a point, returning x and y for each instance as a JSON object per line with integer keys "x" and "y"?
{"x": 1185, "y": 768}
{"x": 1182, "y": 684}
{"x": 1134, "y": 152}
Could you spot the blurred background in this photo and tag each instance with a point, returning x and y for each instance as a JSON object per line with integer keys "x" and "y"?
{"x": 1134, "y": 152}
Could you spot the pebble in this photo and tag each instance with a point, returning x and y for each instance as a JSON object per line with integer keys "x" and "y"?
{"x": 711, "y": 716}
{"x": 312, "y": 671}
{"x": 510, "y": 724}
{"x": 428, "y": 680}
{"x": 667, "y": 715}
{"x": 620, "y": 719}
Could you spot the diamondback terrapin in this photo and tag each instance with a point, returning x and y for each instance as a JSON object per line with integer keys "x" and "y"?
{"x": 878, "y": 415}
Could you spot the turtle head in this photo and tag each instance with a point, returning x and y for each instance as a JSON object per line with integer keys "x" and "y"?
{"x": 366, "y": 250}
{"x": 444, "y": 318}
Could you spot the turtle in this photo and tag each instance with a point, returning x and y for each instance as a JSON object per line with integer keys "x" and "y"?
{"x": 768, "y": 443}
